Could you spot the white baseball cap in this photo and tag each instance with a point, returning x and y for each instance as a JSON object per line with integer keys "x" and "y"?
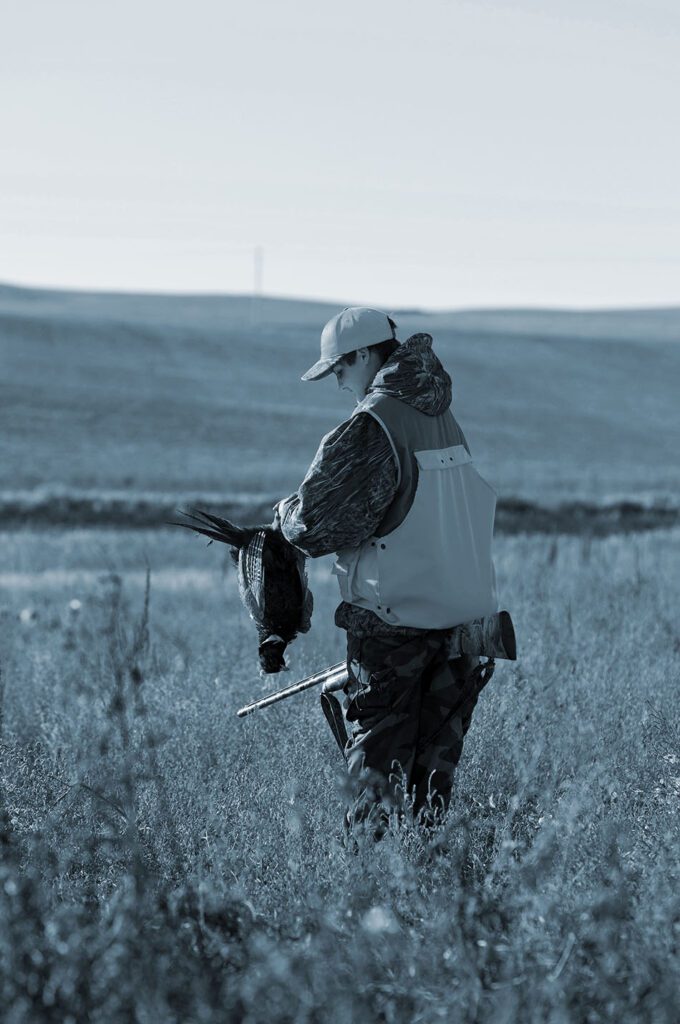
{"x": 356, "y": 327}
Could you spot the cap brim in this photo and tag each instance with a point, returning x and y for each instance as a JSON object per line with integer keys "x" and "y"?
{"x": 320, "y": 369}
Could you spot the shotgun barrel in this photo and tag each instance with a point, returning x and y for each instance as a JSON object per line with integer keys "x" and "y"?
{"x": 332, "y": 678}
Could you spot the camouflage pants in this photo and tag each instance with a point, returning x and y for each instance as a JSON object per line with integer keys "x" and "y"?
{"x": 409, "y": 708}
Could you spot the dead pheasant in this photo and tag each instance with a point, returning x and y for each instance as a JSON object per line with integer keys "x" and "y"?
{"x": 272, "y": 580}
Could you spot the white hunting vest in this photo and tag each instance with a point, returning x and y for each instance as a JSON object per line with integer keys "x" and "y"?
{"x": 429, "y": 563}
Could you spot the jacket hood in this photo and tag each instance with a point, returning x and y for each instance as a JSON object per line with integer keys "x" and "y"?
{"x": 414, "y": 375}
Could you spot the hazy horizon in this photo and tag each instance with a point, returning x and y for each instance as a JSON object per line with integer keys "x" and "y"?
{"x": 342, "y": 302}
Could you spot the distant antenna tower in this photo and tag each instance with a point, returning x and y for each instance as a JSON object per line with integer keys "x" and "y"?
{"x": 258, "y": 261}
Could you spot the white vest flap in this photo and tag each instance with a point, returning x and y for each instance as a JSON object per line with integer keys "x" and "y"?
{"x": 443, "y": 458}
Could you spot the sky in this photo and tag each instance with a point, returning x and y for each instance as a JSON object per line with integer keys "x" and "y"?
{"x": 444, "y": 155}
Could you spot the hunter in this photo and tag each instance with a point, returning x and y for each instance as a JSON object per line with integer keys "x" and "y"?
{"x": 393, "y": 492}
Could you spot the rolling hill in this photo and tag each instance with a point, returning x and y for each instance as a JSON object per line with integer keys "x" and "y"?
{"x": 187, "y": 394}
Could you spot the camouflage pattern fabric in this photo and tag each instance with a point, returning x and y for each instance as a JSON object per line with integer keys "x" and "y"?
{"x": 415, "y": 375}
{"x": 346, "y": 491}
{"x": 363, "y": 623}
{"x": 409, "y": 708}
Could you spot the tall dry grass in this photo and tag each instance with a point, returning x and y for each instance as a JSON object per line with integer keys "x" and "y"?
{"x": 164, "y": 861}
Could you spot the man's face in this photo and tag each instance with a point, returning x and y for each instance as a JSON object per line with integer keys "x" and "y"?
{"x": 357, "y": 377}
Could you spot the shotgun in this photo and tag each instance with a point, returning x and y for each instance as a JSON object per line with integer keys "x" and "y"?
{"x": 333, "y": 678}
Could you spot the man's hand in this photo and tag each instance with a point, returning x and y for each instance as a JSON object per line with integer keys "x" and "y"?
{"x": 280, "y": 511}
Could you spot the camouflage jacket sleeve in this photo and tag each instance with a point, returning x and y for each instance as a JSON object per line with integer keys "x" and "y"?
{"x": 346, "y": 490}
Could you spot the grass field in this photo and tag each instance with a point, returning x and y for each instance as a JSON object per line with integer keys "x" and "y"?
{"x": 182, "y": 394}
{"x": 166, "y": 861}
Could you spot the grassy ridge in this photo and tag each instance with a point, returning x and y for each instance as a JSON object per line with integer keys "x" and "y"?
{"x": 164, "y": 860}
{"x": 180, "y": 394}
